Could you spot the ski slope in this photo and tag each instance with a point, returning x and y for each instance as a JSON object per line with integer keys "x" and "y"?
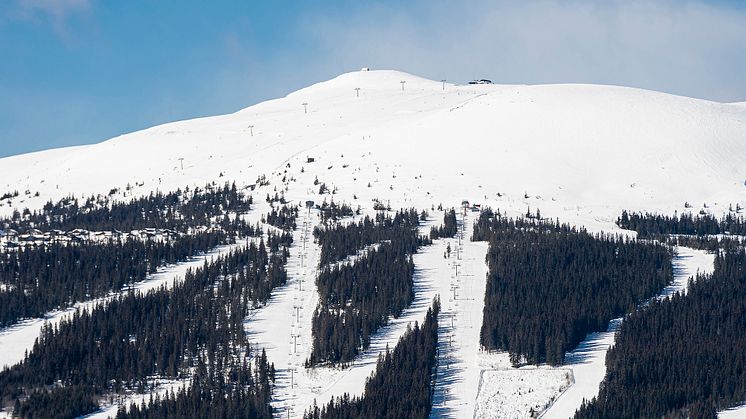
{"x": 577, "y": 151}
{"x": 580, "y": 153}
{"x": 462, "y": 305}
{"x": 587, "y": 361}
{"x": 283, "y": 326}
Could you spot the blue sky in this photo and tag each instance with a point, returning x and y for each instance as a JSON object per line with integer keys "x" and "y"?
{"x": 81, "y": 71}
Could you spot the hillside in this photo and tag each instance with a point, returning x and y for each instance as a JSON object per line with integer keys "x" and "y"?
{"x": 578, "y": 151}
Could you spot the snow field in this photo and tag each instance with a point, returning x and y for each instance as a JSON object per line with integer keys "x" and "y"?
{"x": 519, "y": 393}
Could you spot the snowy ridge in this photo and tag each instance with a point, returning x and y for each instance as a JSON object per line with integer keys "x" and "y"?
{"x": 577, "y": 150}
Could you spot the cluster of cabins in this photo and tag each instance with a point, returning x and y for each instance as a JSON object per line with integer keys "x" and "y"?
{"x": 12, "y": 239}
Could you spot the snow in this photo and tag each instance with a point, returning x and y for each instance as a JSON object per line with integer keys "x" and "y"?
{"x": 580, "y": 153}
{"x": 577, "y": 150}
{"x": 274, "y": 326}
{"x": 734, "y": 413}
{"x": 283, "y": 326}
{"x": 463, "y": 275}
{"x": 687, "y": 264}
{"x": 519, "y": 393}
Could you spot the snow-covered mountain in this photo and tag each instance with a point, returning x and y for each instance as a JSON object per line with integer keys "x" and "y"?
{"x": 580, "y": 152}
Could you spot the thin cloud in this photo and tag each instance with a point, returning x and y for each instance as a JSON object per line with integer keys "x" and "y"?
{"x": 56, "y": 12}
{"x": 693, "y": 48}
{"x": 55, "y": 8}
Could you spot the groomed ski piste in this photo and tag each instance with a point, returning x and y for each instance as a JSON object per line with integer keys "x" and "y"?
{"x": 460, "y": 320}
{"x": 579, "y": 153}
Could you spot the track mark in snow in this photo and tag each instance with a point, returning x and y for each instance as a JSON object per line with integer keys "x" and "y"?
{"x": 463, "y": 276}
{"x": 514, "y": 393}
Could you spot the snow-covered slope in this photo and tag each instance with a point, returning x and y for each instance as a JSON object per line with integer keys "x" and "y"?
{"x": 578, "y": 151}
{"x": 581, "y": 153}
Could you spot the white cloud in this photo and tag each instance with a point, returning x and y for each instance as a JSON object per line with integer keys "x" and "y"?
{"x": 694, "y": 48}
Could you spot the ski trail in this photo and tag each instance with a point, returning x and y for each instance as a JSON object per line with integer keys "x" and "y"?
{"x": 283, "y": 328}
{"x": 587, "y": 361}
{"x": 461, "y": 285}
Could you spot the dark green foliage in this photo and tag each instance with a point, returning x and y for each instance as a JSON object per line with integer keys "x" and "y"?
{"x": 550, "y": 285}
{"x": 200, "y": 321}
{"x": 246, "y": 395}
{"x": 333, "y": 212}
{"x": 177, "y": 210}
{"x": 401, "y": 386}
{"x": 54, "y": 276}
{"x": 8, "y": 195}
{"x": 680, "y": 357}
{"x": 64, "y": 402}
{"x": 697, "y": 232}
{"x": 449, "y": 227}
{"x": 338, "y": 242}
{"x": 653, "y": 225}
{"x": 283, "y": 218}
{"x": 708, "y": 243}
{"x": 358, "y": 297}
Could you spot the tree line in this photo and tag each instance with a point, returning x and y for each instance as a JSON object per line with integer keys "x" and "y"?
{"x": 333, "y": 211}
{"x": 649, "y": 225}
{"x": 449, "y": 227}
{"x": 358, "y": 297}
{"x": 166, "y": 333}
{"x": 338, "y": 242}
{"x": 179, "y": 210}
{"x": 53, "y": 276}
{"x": 683, "y": 356}
{"x": 237, "y": 390}
{"x": 402, "y": 384}
{"x": 549, "y": 284}
{"x": 283, "y": 218}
